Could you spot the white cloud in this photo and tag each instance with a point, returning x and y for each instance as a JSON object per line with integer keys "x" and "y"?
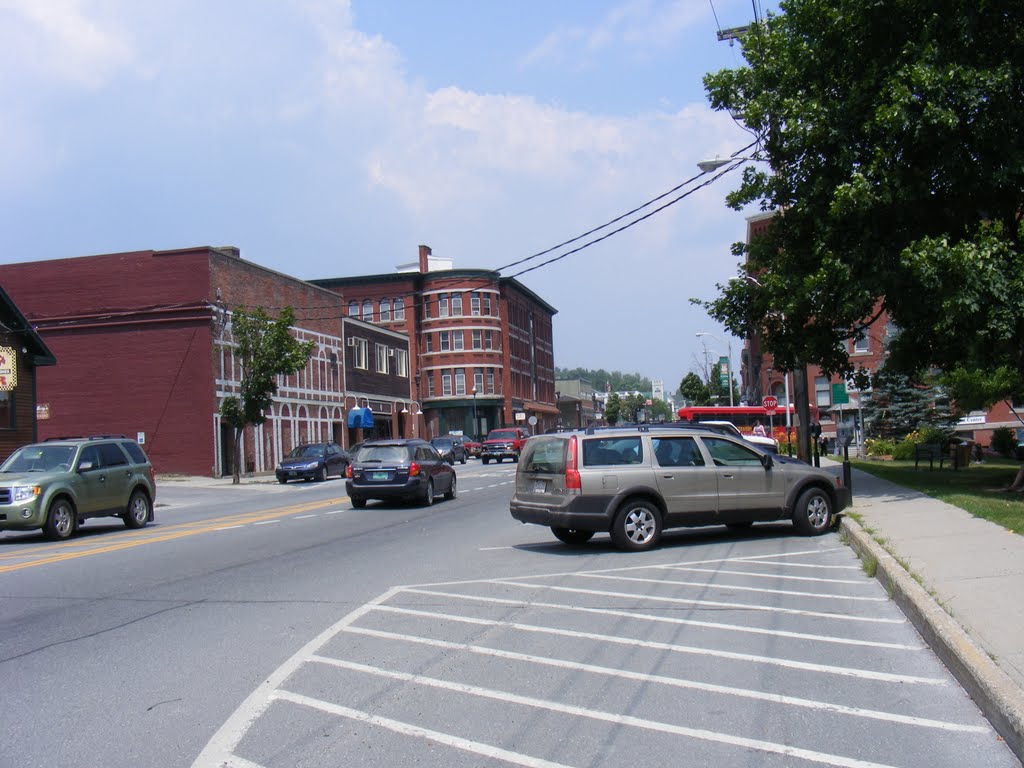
{"x": 635, "y": 25}
{"x": 57, "y": 40}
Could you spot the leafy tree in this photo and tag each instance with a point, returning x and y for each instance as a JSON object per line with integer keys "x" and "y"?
{"x": 658, "y": 410}
{"x": 693, "y": 390}
{"x": 265, "y": 349}
{"x": 613, "y": 409}
{"x": 892, "y": 135}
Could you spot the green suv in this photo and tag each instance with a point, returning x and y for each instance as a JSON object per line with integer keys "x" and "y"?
{"x": 634, "y": 482}
{"x": 58, "y": 484}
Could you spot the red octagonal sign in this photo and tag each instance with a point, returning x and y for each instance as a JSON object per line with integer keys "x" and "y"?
{"x": 770, "y": 403}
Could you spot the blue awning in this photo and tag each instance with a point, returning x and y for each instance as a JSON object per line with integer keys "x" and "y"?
{"x": 360, "y": 417}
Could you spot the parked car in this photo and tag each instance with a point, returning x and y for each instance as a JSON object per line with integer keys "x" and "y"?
{"x": 635, "y": 482}
{"x": 450, "y": 448}
{"x": 58, "y": 484}
{"x": 765, "y": 443}
{"x": 313, "y": 461}
{"x": 402, "y": 469}
{"x": 504, "y": 443}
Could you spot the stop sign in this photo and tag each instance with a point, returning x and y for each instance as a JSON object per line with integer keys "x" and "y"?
{"x": 770, "y": 403}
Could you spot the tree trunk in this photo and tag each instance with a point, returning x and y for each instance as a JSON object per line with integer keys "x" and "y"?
{"x": 1018, "y": 481}
{"x": 236, "y": 449}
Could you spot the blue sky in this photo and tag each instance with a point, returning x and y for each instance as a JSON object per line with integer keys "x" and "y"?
{"x": 331, "y": 137}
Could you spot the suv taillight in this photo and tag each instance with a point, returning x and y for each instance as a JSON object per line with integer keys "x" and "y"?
{"x": 414, "y": 469}
{"x": 348, "y": 471}
{"x": 572, "y": 472}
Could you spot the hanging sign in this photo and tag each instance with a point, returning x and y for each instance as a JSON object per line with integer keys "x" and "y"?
{"x": 8, "y": 369}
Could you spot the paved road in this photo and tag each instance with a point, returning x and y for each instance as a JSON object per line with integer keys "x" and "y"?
{"x": 274, "y": 626}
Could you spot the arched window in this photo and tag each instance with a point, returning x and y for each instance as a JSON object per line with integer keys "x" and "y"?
{"x": 385, "y": 310}
{"x": 368, "y": 311}
{"x": 353, "y": 308}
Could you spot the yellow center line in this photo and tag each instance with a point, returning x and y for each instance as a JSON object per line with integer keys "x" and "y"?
{"x": 191, "y": 529}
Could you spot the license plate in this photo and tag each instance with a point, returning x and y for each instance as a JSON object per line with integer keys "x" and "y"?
{"x": 379, "y": 476}
{"x": 291, "y": 473}
{"x": 539, "y": 486}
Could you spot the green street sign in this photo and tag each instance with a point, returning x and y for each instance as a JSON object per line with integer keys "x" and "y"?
{"x": 723, "y": 367}
{"x": 839, "y": 394}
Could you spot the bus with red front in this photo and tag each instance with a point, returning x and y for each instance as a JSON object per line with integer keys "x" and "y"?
{"x": 744, "y": 417}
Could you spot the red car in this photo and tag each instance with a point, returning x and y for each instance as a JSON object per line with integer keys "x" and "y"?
{"x": 473, "y": 447}
{"x": 504, "y": 443}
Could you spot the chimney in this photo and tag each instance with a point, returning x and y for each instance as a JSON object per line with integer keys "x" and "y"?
{"x": 425, "y": 258}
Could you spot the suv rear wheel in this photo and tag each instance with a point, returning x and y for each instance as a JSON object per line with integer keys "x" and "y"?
{"x": 637, "y": 526}
{"x": 813, "y": 512}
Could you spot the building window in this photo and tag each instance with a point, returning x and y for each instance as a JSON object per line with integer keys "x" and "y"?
{"x": 382, "y": 357}
{"x": 399, "y": 309}
{"x": 460, "y": 381}
{"x": 402, "y": 363}
{"x": 446, "y": 341}
{"x": 478, "y": 339}
{"x": 353, "y": 308}
{"x": 430, "y": 342}
{"x": 446, "y": 382}
{"x": 457, "y": 304}
{"x": 442, "y": 305}
{"x": 368, "y": 311}
{"x": 488, "y": 339}
{"x": 862, "y": 345}
{"x": 458, "y": 341}
{"x": 490, "y": 381}
{"x": 478, "y": 382}
{"x": 7, "y": 411}
{"x": 822, "y": 392}
{"x": 430, "y": 384}
{"x": 359, "y": 354}
{"x": 474, "y": 304}
{"x": 487, "y": 304}
{"x": 385, "y": 310}
{"x": 426, "y": 309}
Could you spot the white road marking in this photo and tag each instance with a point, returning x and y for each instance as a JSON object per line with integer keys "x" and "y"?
{"x": 754, "y": 575}
{"x": 675, "y": 682}
{"x": 730, "y": 628}
{"x": 607, "y": 717}
{"x": 709, "y": 585}
{"x": 266, "y": 522}
{"x": 408, "y": 729}
{"x": 303, "y": 517}
{"x": 706, "y": 603}
{"x": 334, "y": 511}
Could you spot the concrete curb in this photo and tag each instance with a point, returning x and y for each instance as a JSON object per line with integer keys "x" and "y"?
{"x": 996, "y": 695}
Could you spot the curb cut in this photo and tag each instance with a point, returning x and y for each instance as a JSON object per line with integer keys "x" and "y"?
{"x": 996, "y": 695}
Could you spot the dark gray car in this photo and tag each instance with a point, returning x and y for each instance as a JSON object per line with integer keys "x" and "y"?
{"x": 635, "y": 482}
{"x": 399, "y": 470}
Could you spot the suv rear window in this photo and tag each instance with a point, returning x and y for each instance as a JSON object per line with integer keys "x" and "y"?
{"x": 545, "y": 455}
{"x": 611, "y": 451}
{"x": 389, "y": 454}
{"x": 135, "y": 451}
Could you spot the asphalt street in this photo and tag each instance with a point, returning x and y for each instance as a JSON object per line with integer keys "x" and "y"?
{"x": 270, "y": 625}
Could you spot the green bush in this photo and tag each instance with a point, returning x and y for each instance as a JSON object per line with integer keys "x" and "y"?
{"x": 934, "y": 435}
{"x": 1004, "y": 441}
{"x": 905, "y": 449}
{"x": 879, "y": 446}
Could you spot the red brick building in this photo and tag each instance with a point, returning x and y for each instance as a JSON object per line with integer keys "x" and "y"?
{"x": 144, "y": 345}
{"x": 481, "y": 344}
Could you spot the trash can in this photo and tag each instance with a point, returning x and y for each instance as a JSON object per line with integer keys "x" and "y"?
{"x": 962, "y": 454}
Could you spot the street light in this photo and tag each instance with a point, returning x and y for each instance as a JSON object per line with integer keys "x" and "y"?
{"x": 728, "y": 345}
{"x": 476, "y": 427}
{"x": 707, "y": 166}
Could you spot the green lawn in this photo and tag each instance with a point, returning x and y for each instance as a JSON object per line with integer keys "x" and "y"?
{"x": 974, "y": 489}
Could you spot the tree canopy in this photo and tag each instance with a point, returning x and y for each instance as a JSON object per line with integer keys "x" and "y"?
{"x": 604, "y": 381}
{"x": 896, "y": 160}
{"x": 265, "y": 349}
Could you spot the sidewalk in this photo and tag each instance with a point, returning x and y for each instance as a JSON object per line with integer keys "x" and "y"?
{"x": 971, "y": 607}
